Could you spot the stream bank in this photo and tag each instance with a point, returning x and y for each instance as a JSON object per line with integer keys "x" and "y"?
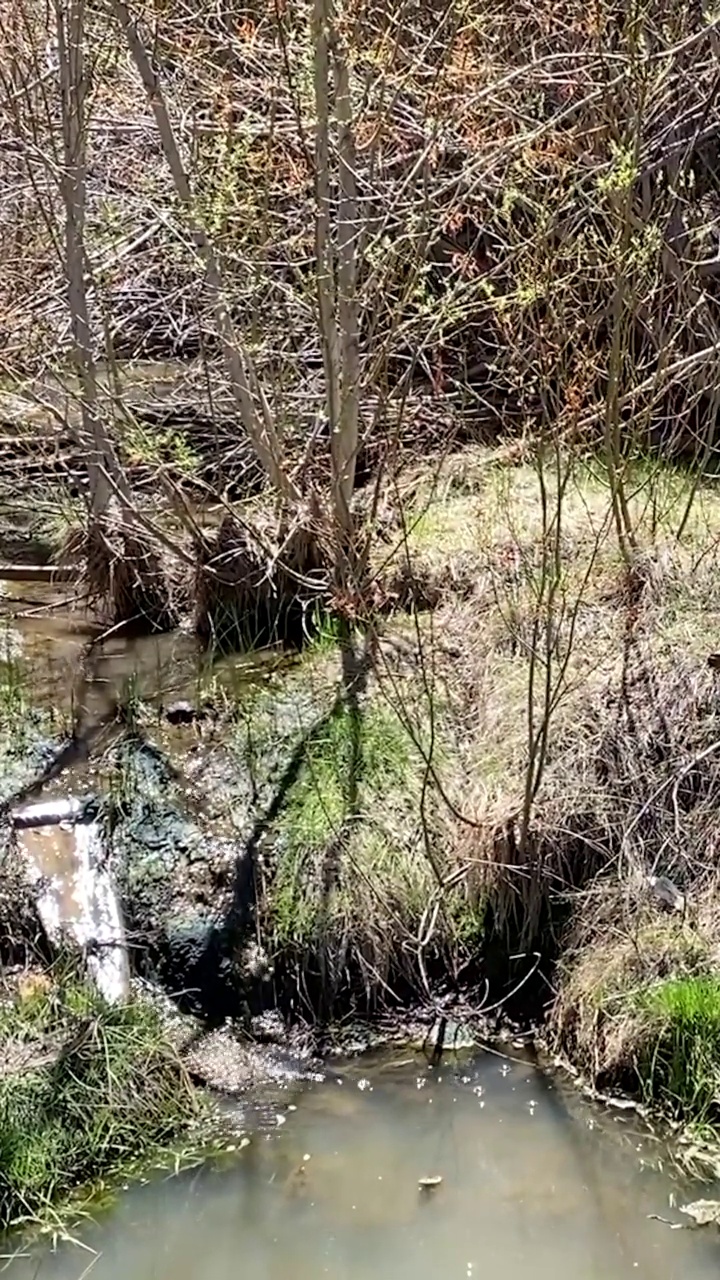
{"x": 339, "y": 833}
{"x": 392, "y": 1167}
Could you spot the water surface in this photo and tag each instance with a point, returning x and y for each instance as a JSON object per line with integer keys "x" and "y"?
{"x": 535, "y": 1182}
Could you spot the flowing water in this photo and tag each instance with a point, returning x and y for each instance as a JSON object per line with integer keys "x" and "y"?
{"x": 534, "y": 1182}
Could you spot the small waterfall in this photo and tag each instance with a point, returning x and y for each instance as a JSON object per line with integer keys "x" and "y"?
{"x": 74, "y": 890}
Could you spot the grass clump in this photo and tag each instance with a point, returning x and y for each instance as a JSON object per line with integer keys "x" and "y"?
{"x": 349, "y": 763}
{"x": 639, "y": 1002}
{"x": 353, "y": 906}
{"x": 679, "y": 1056}
{"x": 86, "y": 1089}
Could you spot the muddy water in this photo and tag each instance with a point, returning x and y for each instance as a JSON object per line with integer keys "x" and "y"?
{"x": 71, "y": 666}
{"x": 534, "y": 1183}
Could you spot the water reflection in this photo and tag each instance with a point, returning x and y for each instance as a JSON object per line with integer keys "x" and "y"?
{"x": 533, "y": 1182}
{"x": 52, "y": 643}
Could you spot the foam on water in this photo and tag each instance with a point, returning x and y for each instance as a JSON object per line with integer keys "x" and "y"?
{"x": 75, "y": 896}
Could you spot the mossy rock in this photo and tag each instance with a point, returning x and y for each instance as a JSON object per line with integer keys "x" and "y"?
{"x": 172, "y": 874}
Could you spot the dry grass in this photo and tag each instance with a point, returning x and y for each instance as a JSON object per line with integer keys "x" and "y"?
{"x": 258, "y": 582}
{"x": 629, "y": 712}
{"x": 619, "y": 949}
{"x": 128, "y": 576}
{"x": 618, "y": 660}
{"x": 639, "y": 1003}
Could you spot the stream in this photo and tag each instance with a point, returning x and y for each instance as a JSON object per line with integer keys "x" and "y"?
{"x": 527, "y": 1177}
{"x": 535, "y": 1181}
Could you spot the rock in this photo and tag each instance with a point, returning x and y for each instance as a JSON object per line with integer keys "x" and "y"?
{"x": 666, "y": 893}
{"x": 182, "y": 927}
{"x": 269, "y": 1028}
{"x": 76, "y": 898}
{"x": 449, "y": 1036}
{"x": 183, "y": 712}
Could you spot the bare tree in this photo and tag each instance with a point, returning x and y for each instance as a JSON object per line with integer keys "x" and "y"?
{"x": 253, "y": 403}
{"x": 104, "y": 472}
{"x": 336, "y": 255}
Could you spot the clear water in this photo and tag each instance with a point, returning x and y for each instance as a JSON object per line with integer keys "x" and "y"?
{"x": 534, "y": 1183}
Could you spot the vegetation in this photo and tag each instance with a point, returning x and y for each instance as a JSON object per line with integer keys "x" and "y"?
{"x": 642, "y": 1012}
{"x": 354, "y": 876}
{"x": 680, "y": 1059}
{"x": 527, "y": 249}
{"x": 440, "y": 290}
{"x": 85, "y": 1090}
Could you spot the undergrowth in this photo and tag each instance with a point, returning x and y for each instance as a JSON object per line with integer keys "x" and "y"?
{"x": 679, "y": 1055}
{"x": 349, "y": 764}
{"x": 353, "y": 902}
{"x": 85, "y": 1090}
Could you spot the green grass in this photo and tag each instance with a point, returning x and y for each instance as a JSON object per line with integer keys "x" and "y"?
{"x": 85, "y": 1091}
{"x": 356, "y": 858}
{"x": 348, "y": 766}
{"x": 14, "y": 704}
{"x": 679, "y": 1061}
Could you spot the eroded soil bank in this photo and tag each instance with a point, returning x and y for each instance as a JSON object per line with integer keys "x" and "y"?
{"x": 499, "y": 807}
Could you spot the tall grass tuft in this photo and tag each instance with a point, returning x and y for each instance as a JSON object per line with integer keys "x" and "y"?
{"x": 679, "y": 1060}
{"x": 85, "y": 1090}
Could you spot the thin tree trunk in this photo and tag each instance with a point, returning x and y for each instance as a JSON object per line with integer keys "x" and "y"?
{"x": 324, "y": 252}
{"x": 238, "y": 362}
{"x": 338, "y": 309}
{"x": 102, "y": 463}
{"x": 345, "y": 441}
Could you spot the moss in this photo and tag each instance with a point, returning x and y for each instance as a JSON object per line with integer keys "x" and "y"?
{"x": 85, "y": 1090}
